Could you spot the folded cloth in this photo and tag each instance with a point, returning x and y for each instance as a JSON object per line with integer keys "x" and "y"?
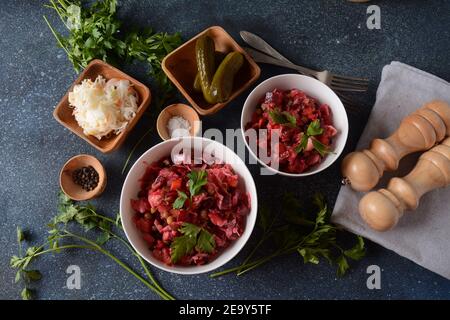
{"x": 423, "y": 235}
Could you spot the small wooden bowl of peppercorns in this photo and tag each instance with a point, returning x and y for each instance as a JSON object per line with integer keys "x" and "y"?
{"x": 82, "y": 177}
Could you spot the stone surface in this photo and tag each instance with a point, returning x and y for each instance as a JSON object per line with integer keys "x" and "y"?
{"x": 322, "y": 34}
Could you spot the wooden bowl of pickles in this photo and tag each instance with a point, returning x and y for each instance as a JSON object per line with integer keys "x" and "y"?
{"x": 210, "y": 70}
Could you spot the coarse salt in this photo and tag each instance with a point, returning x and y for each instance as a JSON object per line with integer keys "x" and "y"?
{"x": 178, "y": 127}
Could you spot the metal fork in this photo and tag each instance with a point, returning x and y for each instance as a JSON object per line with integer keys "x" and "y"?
{"x": 336, "y": 82}
{"x": 263, "y": 58}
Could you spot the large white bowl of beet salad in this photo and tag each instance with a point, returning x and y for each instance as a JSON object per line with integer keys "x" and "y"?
{"x": 300, "y": 125}
{"x": 188, "y": 205}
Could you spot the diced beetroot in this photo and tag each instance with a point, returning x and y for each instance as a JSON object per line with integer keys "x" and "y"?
{"x": 176, "y": 184}
{"x": 144, "y": 225}
{"x": 305, "y": 109}
{"x": 216, "y": 219}
{"x": 141, "y": 205}
{"x": 149, "y": 239}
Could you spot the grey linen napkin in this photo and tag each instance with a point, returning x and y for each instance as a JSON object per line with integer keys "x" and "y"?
{"x": 423, "y": 235}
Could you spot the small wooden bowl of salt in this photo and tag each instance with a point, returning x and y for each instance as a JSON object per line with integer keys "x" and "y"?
{"x": 178, "y": 120}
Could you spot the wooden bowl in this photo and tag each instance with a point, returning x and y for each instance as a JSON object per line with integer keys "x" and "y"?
{"x": 181, "y": 68}
{"x": 75, "y": 191}
{"x": 178, "y": 109}
{"x": 63, "y": 112}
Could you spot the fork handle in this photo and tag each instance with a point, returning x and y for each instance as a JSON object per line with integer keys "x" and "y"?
{"x": 263, "y": 58}
{"x": 258, "y": 43}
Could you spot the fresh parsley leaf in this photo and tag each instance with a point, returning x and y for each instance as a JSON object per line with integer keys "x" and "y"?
{"x": 309, "y": 255}
{"x": 33, "y": 250}
{"x": 103, "y": 238}
{"x": 32, "y": 275}
{"x": 190, "y": 229}
{"x": 314, "y": 128}
{"x": 205, "y": 242}
{"x": 193, "y": 237}
{"x": 26, "y": 294}
{"x": 321, "y": 217}
{"x": 118, "y": 220}
{"x": 342, "y": 265}
{"x": 197, "y": 179}
{"x": 15, "y": 261}
{"x": 20, "y": 235}
{"x": 290, "y": 118}
{"x": 358, "y": 251}
{"x": 302, "y": 145}
{"x": 320, "y": 147}
{"x": 284, "y": 117}
{"x": 18, "y": 276}
{"x": 179, "y": 202}
{"x": 181, "y": 246}
{"x": 184, "y": 245}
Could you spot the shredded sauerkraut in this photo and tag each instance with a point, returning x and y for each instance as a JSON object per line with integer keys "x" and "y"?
{"x": 102, "y": 107}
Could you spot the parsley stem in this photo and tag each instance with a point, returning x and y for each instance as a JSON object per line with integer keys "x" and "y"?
{"x": 134, "y": 149}
{"x": 149, "y": 274}
{"x": 258, "y": 262}
{"x": 226, "y": 271}
{"x": 56, "y": 36}
{"x": 260, "y": 242}
{"x": 141, "y": 261}
{"x": 68, "y": 246}
{"x": 120, "y": 263}
{"x": 95, "y": 214}
{"x": 55, "y": 7}
{"x": 127, "y": 245}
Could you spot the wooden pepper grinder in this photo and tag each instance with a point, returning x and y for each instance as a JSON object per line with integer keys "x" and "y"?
{"x": 419, "y": 131}
{"x": 381, "y": 209}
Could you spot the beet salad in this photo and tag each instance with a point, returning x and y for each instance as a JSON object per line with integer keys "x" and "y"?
{"x": 304, "y": 127}
{"x": 189, "y": 213}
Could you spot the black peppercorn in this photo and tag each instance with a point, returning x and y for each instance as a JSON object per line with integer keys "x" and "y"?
{"x": 86, "y": 177}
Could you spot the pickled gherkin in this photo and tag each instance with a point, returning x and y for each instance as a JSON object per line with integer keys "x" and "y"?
{"x": 204, "y": 54}
{"x": 216, "y": 85}
{"x": 222, "y": 83}
{"x": 218, "y": 57}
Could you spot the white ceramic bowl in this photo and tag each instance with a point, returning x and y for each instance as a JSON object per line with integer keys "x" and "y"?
{"x": 313, "y": 88}
{"x": 130, "y": 190}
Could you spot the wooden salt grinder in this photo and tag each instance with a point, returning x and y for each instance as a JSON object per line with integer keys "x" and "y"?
{"x": 381, "y": 209}
{"x": 419, "y": 131}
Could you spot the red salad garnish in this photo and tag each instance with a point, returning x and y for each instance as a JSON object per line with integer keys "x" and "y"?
{"x": 305, "y": 129}
{"x": 189, "y": 213}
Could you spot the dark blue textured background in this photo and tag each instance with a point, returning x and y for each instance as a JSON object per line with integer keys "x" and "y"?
{"x": 322, "y": 34}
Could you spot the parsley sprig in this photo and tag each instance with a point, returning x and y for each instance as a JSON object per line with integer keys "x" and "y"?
{"x": 94, "y": 32}
{"x": 314, "y": 129}
{"x": 197, "y": 179}
{"x": 283, "y": 117}
{"x": 193, "y": 237}
{"x": 62, "y": 238}
{"x": 293, "y": 230}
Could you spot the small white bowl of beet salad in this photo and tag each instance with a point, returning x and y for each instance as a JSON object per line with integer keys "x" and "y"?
{"x": 188, "y": 205}
{"x": 294, "y": 125}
